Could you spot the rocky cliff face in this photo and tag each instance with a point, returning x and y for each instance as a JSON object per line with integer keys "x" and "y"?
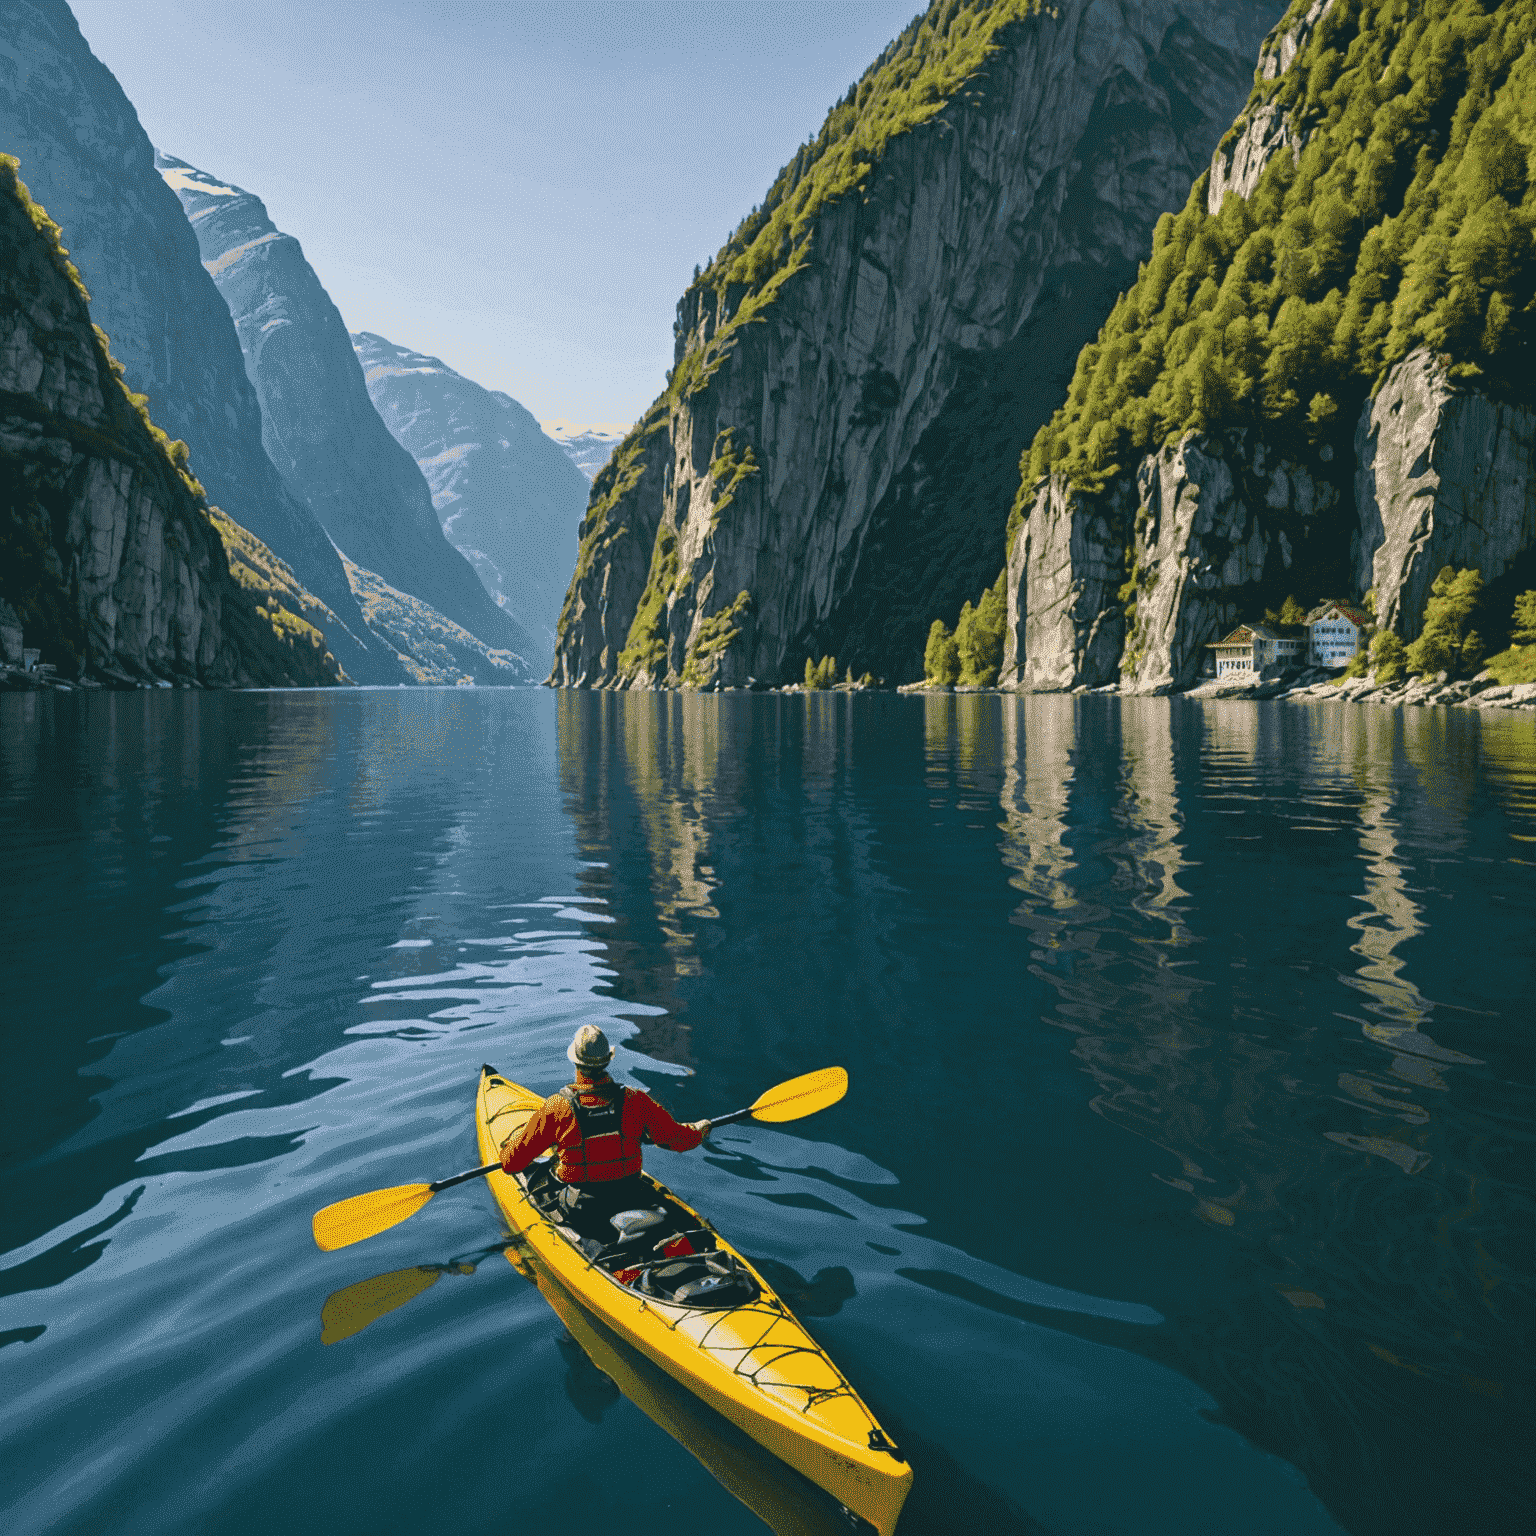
{"x": 845, "y": 461}
{"x": 319, "y": 426}
{"x": 509, "y": 498}
{"x": 110, "y": 560}
{"x": 88, "y": 161}
{"x": 1444, "y": 476}
{"x": 1131, "y": 583}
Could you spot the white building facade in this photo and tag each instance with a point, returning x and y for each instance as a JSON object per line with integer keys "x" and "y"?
{"x": 1336, "y": 631}
{"x": 1250, "y": 648}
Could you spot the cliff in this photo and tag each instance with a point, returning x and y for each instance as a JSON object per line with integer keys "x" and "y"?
{"x": 1319, "y": 383}
{"x": 89, "y": 162}
{"x": 509, "y": 498}
{"x": 111, "y": 562}
{"x": 859, "y": 368}
{"x": 318, "y": 425}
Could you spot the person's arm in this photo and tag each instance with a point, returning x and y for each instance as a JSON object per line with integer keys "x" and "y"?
{"x": 664, "y": 1130}
{"x": 537, "y": 1136}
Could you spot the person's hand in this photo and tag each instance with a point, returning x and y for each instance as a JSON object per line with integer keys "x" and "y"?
{"x": 701, "y": 1126}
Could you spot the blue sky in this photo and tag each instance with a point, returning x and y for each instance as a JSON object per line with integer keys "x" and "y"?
{"x": 522, "y": 190}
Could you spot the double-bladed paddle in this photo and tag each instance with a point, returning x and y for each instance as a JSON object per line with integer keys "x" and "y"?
{"x": 350, "y": 1221}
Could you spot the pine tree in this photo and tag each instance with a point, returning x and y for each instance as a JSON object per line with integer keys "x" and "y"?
{"x": 979, "y": 636}
{"x": 1388, "y": 658}
{"x": 1444, "y": 644}
{"x": 1524, "y": 632}
{"x": 941, "y": 656}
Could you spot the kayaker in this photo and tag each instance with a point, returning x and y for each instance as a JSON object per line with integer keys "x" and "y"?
{"x": 598, "y": 1127}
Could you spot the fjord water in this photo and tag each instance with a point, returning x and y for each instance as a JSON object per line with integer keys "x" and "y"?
{"x": 1183, "y": 1185}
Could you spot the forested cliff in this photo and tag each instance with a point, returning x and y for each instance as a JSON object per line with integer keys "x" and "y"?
{"x": 1320, "y": 382}
{"x": 860, "y": 366}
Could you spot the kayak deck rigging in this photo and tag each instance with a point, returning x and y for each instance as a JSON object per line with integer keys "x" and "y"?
{"x": 755, "y": 1358}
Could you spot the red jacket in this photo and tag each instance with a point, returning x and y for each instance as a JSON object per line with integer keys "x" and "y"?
{"x": 592, "y": 1159}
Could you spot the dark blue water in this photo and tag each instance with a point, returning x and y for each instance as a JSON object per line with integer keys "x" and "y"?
{"x": 1184, "y": 1185}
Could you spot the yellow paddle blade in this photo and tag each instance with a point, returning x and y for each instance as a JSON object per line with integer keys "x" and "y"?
{"x": 802, "y": 1095}
{"x": 350, "y": 1221}
{"x": 350, "y": 1311}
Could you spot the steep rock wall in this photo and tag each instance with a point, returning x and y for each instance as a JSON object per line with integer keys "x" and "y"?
{"x": 1162, "y": 562}
{"x": 109, "y": 558}
{"x": 508, "y": 497}
{"x": 1209, "y": 533}
{"x": 1444, "y": 476}
{"x": 894, "y": 377}
{"x": 1065, "y": 624}
{"x": 614, "y": 559}
{"x": 318, "y": 424}
{"x": 88, "y": 161}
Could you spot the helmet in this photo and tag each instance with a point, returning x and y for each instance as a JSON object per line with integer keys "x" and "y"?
{"x": 590, "y": 1047}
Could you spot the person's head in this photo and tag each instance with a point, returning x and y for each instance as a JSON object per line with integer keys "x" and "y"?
{"x": 590, "y": 1051}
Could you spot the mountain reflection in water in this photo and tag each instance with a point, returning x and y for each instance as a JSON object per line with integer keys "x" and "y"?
{"x": 1183, "y": 1185}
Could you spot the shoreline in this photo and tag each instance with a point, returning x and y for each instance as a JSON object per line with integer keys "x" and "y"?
{"x": 1474, "y": 693}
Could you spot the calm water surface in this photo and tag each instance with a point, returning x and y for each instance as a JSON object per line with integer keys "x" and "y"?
{"x": 1184, "y": 1185}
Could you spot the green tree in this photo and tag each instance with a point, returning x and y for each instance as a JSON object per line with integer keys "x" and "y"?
{"x": 821, "y": 674}
{"x": 979, "y": 635}
{"x": 1388, "y": 658}
{"x": 1444, "y": 643}
{"x": 1524, "y": 632}
{"x": 941, "y": 656}
{"x": 1291, "y": 613}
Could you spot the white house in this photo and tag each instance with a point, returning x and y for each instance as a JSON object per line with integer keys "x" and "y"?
{"x": 1252, "y": 647}
{"x": 1336, "y": 631}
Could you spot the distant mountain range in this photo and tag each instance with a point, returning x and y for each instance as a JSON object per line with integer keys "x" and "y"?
{"x": 591, "y": 446}
{"x": 508, "y": 498}
{"x": 319, "y": 425}
{"x": 215, "y": 316}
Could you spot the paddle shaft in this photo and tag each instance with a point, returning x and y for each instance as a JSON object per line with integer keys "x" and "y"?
{"x": 364, "y": 1216}
{"x": 463, "y": 1178}
{"x": 732, "y": 1118}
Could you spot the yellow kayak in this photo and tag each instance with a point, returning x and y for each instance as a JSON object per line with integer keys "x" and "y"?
{"x": 667, "y": 1283}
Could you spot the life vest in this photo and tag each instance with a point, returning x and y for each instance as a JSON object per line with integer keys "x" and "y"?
{"x": 605, "y": 1147}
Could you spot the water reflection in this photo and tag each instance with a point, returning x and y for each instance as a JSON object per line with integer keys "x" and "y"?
{"x": 1189, "y": 1132}
{"x": 1203, "y": 1009}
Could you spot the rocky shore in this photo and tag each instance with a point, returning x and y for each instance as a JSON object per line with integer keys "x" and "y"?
{"x": 1481, "y": 692}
